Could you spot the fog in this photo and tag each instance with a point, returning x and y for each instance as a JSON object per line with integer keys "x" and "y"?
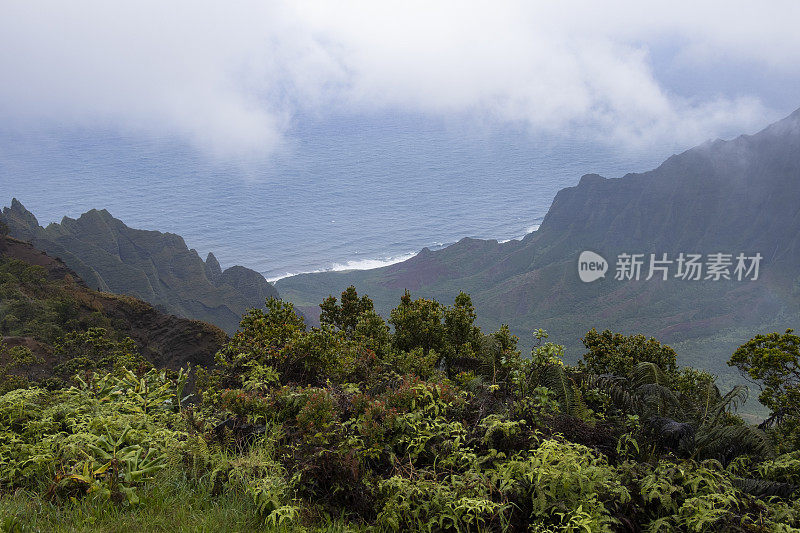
{"x": 230, "y": 78}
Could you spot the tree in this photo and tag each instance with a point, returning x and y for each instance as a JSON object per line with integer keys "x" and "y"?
{"x": 274, "y": 343}
{"x": 505, "y": 357}
{"x": 459, "y": 322}
{"x": 773, "y": 362}
{"x": 262, "y": 337}
{"x": 462, "y": 336}
{"x": 345, "y": 316}
{"x": 614, "y": 353}
{"x": 418, "y": 324}
{"x": 373, "y": 332}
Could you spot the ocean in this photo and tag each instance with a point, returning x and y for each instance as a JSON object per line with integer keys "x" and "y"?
{"x": 343, "y": 192}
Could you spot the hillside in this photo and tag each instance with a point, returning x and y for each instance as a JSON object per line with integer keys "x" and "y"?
{"x": 433, "y": 425}
{"x": 156, "y": 267}
{"x": 42, "y": 302}
{"x": 737, "y": 196}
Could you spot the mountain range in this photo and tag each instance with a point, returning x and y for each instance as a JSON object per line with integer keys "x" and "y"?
{"x": 732, "y": 197}
{"x": 735, "y": 198}
{"x": 153, "y": 266}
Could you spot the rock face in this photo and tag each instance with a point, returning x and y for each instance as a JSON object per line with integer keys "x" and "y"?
{"x": 741, "y": 195}
{"x": 247, "y": 282}
{"x": 156, "y": 267}
{"x": 213, "y": 270}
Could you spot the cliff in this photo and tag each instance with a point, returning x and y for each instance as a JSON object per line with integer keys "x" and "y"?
{"x": 736, "y": 196}
{"x": 156, "y": 267}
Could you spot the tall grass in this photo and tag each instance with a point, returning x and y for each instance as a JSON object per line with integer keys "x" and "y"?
{"x": 171, "y": 503}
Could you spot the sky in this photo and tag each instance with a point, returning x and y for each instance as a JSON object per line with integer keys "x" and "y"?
{"x": 231, "y": 78}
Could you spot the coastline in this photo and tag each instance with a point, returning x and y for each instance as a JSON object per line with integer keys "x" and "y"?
{"x": 370, "y": 264}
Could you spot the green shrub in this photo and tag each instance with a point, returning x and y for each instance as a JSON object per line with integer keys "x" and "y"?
{"x": 431, "y": 427}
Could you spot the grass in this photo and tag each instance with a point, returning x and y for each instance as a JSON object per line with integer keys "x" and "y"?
{"x": 169, "y": 504}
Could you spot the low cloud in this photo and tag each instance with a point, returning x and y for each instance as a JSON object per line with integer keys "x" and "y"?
{"x": 229, "y": 77}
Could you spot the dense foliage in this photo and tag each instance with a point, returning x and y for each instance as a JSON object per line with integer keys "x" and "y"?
{"x": 67, "y": 323}
{"x": 421, "y": 423}
{"x": 773, "y": 362}
{"x": 34, "y": 306}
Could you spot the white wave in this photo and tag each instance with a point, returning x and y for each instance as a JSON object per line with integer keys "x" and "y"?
{"x": 355, "y": 264}
{"x": 528, "y": 230}
{"x": 368, "y": 264}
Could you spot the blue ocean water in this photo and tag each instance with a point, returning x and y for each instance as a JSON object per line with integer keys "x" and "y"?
{"x": 345, "y": 192}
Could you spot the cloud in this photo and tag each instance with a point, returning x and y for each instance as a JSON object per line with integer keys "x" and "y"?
{"x": 229, "y": 77}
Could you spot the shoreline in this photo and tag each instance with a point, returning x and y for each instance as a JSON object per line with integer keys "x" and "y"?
{"x": 370, "y": 264}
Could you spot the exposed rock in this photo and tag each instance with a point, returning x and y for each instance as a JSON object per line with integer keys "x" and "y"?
{"x": 213, "y": 270}
{"x": 247, "y": 281}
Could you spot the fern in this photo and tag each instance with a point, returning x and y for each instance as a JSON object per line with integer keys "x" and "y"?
{"x": 657, "y": 400}
{"x": 764, "y": 488}
{"x": 565, "y": 391}
{"x": 730, "y": 401}
{"x": 671, "y": 435}
{"x": 648, "y": 373}
{"x": 727, "y": 442}
{"x": 617, "y": 389}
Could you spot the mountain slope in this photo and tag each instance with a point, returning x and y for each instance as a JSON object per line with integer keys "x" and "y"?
{"x": 738, "y": 196}
{"x": 43, "y": 301}
{"x": 154, "y": 266}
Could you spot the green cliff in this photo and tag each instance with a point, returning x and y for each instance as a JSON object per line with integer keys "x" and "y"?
{"x": 737, "y": 196}
{"x": 156, "y": 267}
{"x": 68, "y": 327}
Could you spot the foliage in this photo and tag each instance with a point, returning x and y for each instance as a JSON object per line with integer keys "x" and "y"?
{"x": 60, "y": 325}
{"x": 346, "y": 315}
{"x": 14, "y": 358}
{"x": 431, "y": 426}
{"x": 613, "y": 353}
{"x": 564, "y": 485}
{"x": 772, "y": 361}
{"x": 418, "y": 324}
{"x": 93, "y": 350}
{"x": 37, "y": 307}
{"x": 691, "y": 497}
{"x": 108, "y": 435}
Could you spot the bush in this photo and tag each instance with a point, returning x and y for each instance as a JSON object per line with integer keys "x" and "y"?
{"x": 433, "y": 427}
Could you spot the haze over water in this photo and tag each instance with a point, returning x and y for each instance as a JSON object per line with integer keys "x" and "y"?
{"x": 353, "y": 192}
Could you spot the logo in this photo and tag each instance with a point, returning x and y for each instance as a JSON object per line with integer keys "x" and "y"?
{"x": 591, "y": 266}
{"x": 716, "y": 266}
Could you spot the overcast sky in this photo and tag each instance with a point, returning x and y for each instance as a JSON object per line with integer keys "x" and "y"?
{"x": 231, "y": 77}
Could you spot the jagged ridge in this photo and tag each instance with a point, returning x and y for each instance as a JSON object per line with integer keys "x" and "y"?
{"x": 732, "y": 196}
{"x": 156, "y": 267}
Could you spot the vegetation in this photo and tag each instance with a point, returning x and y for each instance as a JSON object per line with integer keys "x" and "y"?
{"x": 67, "y": 322}
{"x": 422, "y": 423}
{"x": 773, "y": 363}
{"x": 164, "y": 272}
{"x": 667, "y": 210}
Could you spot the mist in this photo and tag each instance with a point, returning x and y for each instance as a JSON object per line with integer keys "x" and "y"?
{"x": 231, "y": 80}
